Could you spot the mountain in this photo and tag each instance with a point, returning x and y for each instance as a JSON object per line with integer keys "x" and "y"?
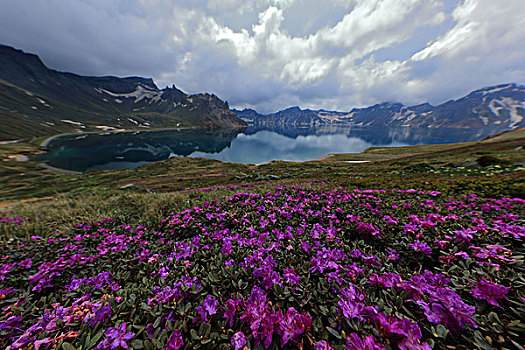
{"x": 36, "y": 100}
{"x": 293, "y": 116}
{"x": 501, "y": 106}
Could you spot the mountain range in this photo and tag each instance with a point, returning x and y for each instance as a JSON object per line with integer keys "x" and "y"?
{"x": 501, "y": 106}
{"x": 36, "y": 100}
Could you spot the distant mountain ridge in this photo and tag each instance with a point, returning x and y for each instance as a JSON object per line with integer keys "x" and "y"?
{"x": 500, "y": 106}
{"x": 36, "y": 100}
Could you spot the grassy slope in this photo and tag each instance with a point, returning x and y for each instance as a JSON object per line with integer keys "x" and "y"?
{"x": 56, "y": 200}
{"x": 24, "y": 116}
{"x": 50, "y": 202}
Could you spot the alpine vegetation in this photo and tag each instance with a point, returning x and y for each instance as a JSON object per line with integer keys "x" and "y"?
{"x": 294, "y": 267}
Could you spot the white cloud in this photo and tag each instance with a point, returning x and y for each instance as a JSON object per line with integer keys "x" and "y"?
{"x": 295, "y": 61}
{"x": 484, "y": 47}
{"x": 271, "y": 54}
{"x": 481, "y": 26}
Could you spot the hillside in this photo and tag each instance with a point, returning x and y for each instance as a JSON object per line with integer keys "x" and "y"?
{"x": 36, "y": 100}
{"x": 501, "y": 106}
{"x": 419, "y": 248}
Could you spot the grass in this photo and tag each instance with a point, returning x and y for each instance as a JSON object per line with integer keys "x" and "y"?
{"x": 158, "y": 210}
{"x": 53, "y": 200}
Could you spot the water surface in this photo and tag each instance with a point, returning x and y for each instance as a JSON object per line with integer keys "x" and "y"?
{"x": 132, "y": 149}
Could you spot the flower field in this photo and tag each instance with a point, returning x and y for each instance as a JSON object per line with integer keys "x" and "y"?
{"x": 306, "y": 267}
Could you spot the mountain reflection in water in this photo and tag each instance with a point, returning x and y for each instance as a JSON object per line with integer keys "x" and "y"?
{"x": 132, "y": 149}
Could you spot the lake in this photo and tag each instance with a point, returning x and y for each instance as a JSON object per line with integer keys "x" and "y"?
{"x": 120, "y": 150}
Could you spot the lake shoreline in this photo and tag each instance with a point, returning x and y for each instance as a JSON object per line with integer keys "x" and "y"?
{"x": 252, "y": 148}
{"x": 49, "y": 139}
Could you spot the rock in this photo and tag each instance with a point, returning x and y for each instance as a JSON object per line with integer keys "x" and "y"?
{"x": 129, "y": 187}
{"x": 485, "y": 161}
{"x": 467, "y": 164}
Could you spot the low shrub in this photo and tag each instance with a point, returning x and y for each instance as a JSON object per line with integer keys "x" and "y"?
{"x": 294, "y": 267}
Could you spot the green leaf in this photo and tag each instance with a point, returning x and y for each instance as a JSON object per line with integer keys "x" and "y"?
{"x": 68, "y": 346}
{"x": 194, "y": 335}
{"x": 441, "y": 331}
{"x": 334, "y": 332}
{"x": 94, "y": 341}
{"x": 137, "y": 344}
{"x": 148, "y": 345}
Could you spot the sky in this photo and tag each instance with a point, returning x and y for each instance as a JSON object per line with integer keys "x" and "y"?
{"x": 273, "y": 54}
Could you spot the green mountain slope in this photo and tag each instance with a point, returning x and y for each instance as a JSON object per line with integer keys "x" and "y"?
{"x": 36, "y": 100}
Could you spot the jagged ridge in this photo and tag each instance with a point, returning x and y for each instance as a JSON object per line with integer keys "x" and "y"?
{"x": 41, "y": 101}
{"x": 501, "y": 106}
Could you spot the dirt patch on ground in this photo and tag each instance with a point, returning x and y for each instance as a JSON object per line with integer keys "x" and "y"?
{"x": 7, "y": 204}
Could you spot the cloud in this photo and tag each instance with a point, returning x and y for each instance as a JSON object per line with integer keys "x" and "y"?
{"x": 482, "y": 48}
{"x": 271, "y": 54}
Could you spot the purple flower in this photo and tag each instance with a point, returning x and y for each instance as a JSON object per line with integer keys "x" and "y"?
{"x": 175, "y": 342}
{"x": 4, "y": 292}
{"x": 393, "y": 255}
{"x": 210, "y": 305}
{"x": 386, "y": 280}
{"x": 116, "y": 337}
{"x": 516, "y": 231}
{"x": 39, "y": 343}
{"x": 410, "y": 228}
{"x": 259, "y": 316}
{"x": 422, "y": 247}
{"x": 368, "y": 228}
{"x": 354, "y": 342}
{"x": 465, "y": 236}
{"x": 292, "y": 325}
{"x": 11, "y": 326}
{"x": 291, "y": 276}
{"x": 231, "y": 309}
{"x": 446, "y": 306}
{"x": 101, "y": 315}
{"x": 238, "y": 340}
{"x": 150, "y": 330}
{"x": 26, "y": 264}
{"x": 435, "y": 314}
{"x": 489, "y": 291}
{"x": 405, "y": 332}
{"x": 4, "y": 270}
{"x": 202, "y": 315}
{"x": 322, "y": 345}
{"x": 351, "y": 309}
{"x": 462, "y": 255}
{"x": 305, "y": 246}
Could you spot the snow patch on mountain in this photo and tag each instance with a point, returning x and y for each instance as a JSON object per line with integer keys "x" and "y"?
{"x": 484, "y": 120}
{"x": 142, "y": 92}
{"x": 496, "y": 89}
{"x": 510, "y": 105}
